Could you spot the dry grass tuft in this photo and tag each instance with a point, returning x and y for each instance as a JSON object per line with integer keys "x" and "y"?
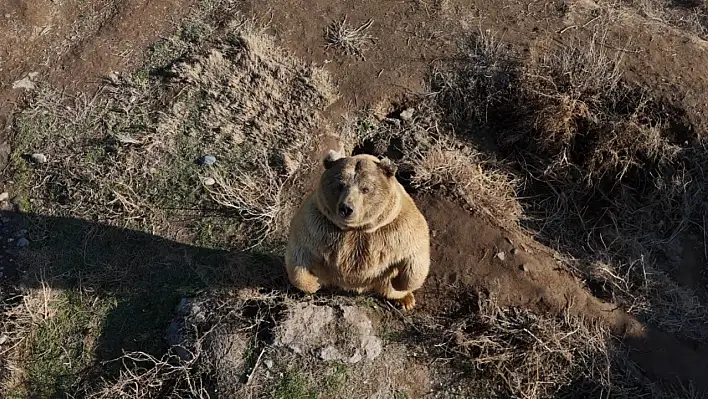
{"x": 691, "y": 15}
{"x": 511, "y": 352}
{"x": 143, "y": 376}
{"x": 348, "y": 39}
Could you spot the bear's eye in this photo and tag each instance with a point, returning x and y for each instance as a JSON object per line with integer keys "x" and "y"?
{"x": 340, "y": 186}
{"x": 365, "y": 190}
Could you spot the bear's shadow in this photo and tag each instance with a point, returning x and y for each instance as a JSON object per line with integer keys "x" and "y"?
{"x": 137, "y": 278}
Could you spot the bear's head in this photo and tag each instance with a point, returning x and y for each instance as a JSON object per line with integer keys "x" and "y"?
{"x": 360, "y": 191}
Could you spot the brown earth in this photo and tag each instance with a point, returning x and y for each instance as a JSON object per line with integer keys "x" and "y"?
{"x": 74, "y": 44}
{"x": 471, "y": 252}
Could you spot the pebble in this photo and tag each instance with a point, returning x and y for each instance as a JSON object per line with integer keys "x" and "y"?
{"x": 268, "y": 363}
{"x": 514, "y": 251}
{"x": 38, "y": 158}
{"x": 22, "y": 242}
{"x": 523, "y": 267}
{"x": 407, "y": 114}
{"x": 207, "y": 160}
{"x": 4, "y": 196}
{"x": 208, "y": 181}
{"x": 501, "y": 256}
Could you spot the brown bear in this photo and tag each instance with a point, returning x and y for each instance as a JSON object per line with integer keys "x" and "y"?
{"x": 359, "y": 231}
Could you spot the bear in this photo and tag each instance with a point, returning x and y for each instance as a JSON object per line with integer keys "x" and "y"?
{"x": 359, "y": 231}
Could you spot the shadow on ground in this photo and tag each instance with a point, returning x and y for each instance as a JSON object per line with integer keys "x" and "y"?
{"x": 128, "y": 282}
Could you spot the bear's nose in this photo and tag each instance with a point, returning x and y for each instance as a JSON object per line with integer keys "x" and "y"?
{"x": 345, "y": 211}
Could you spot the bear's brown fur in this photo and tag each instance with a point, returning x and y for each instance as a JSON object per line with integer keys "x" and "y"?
{"x": 359, "y": 231}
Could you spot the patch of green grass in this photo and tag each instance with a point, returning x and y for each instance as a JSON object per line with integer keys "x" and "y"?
{"x": 401, "y": 394}
{"x": 294, "y": 385}
{"x": 334, "y": 382}
{"x": 365, "y": 126}
{"x": 62, "y": 345}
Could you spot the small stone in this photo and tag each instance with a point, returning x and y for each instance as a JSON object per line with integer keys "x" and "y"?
{"x": 330, "y": 353}
{"x": 514, "y": 251}
{"x": 207, "y": 160}
{"x": 22, "y": 242}
{"x": 523, "y": 267}
{"x": 291, "y": 164}
{"x": 24, "y": 83}
{"x": 4, "y": 196}
{"x": 208, "y": 181}
{"x": 3, "y": 339}
{"x": 114, "y": 78}
{"x": 501, "y": 256}
{"x": 38, "y": 158}
{"x": 407, "y": 114}
{"x": 268, "y": 363}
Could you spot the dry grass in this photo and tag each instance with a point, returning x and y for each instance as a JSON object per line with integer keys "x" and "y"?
{"x": 510, "y": 352}
{"x": 348, "y": 39}
{"x": 607, "y": 173}
{"x": 691, "y": 15}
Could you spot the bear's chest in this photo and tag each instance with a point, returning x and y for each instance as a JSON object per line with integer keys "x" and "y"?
{"x": 358, "y": 254}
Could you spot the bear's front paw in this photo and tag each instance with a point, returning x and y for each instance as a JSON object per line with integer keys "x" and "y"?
{"x": 407, "y": 302}
{"x": 309, "y": 287}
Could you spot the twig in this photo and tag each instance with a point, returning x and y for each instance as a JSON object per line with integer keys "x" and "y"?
{"x": 255, "y": 367}
{"x": 562, "y": 31}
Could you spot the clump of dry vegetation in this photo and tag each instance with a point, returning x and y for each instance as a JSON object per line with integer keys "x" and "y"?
{"x": 511, "y": 352}
{"x": 691, "y": 15}
{"x": 348, "y": 39}
{"x": 607, "y": 174}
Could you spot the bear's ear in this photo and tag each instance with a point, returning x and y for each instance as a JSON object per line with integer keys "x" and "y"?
{"x": 388, "y": 167}
{"x": 332, "y": 157}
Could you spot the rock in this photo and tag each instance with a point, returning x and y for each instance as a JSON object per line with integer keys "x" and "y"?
{"x": 208, "y": 181}
{"x": 329, "y": 354}
{"x": 38, "y": 158}
{"x": 268, "y": 363}
{"x": 501, "y": 256}
{"x": 22, "y": 243}
{"x": 114, "y": 77}
{"x": 514, "y": 251}
{"x": 523, "y": 267}
{"x": 329, "y": 334}
{"x": 207, "y": 160}
{"x": 25, "y": 83}
{"x": 291, "y": 164}
{"x": 4, "y": 196}
{"x": 407, "y": 114}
